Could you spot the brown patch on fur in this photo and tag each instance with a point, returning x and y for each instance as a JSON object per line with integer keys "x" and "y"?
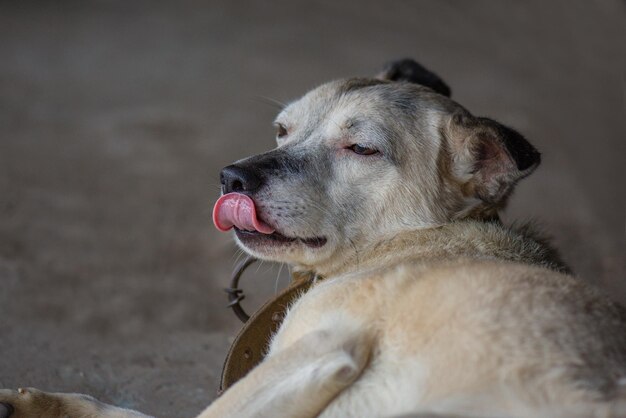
{"x": 483, "y": 212}
{"x": 496, "y": 157}
{"x": 532, "y": 231}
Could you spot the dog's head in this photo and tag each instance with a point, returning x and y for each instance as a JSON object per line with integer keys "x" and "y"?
{"x": 360, "y": 160}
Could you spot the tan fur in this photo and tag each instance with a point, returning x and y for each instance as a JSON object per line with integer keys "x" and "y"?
{"x": 33, "y": 403}
{"x": 429, "y": 305}
{"x": 491, "y": 331}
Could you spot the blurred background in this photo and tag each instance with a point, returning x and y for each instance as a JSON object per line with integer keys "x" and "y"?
{"x": 116, "y": 117}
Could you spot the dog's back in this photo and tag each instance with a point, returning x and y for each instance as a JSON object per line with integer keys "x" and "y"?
{"x": 470, "y": 332}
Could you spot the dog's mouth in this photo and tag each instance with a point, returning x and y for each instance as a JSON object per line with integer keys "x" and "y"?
{"x": 238, "y": 211}
{"x": 277, "y": 238}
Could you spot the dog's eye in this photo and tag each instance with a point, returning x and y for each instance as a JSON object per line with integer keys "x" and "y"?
{"x": 361, "y": 150}
{"x": 281, "y": 130}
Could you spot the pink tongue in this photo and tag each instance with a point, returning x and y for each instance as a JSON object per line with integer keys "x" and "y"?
{"x": 236, "y": 209}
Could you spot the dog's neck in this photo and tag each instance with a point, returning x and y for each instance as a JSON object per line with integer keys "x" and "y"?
{"x": 468, "y": 239}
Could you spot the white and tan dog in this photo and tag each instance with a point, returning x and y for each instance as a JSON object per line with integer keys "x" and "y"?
{"x": 429, "y": 305}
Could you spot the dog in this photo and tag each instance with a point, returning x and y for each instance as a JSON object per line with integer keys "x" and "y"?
{"x": 424, "y": 304}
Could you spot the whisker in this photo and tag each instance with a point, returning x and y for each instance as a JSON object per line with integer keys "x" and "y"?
{"x": 239, "y": 254}
{"x": 272, "y": 102}
{"x": 280, "y": 269}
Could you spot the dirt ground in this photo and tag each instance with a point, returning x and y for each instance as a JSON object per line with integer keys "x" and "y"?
{"x": 115, "y": 118}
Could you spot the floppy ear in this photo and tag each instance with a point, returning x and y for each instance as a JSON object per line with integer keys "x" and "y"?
{"x": 490, "y": 157}
{"x": 409, "y": 70}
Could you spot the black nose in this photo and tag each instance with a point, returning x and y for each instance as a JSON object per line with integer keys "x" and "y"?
{"x": 239, "y": 179}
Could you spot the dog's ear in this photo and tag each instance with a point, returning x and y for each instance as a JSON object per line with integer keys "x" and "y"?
{"x": 489, "y": 156}
{"x": 409, "y": 70}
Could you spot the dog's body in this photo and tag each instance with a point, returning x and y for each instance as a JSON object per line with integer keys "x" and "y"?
{"x": 389, "y": 191}
{"x": 469, "y": 319}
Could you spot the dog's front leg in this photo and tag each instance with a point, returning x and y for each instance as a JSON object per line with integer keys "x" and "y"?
{"x": 33, "y": 403}
{"x": 297, "y": 381}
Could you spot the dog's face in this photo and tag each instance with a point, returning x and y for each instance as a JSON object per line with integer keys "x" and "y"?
{"x": 360, "y": 160}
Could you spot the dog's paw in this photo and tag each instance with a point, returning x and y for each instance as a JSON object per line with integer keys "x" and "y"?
{"x": 33, "y": 403}
{"x": 29, "y": 403}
